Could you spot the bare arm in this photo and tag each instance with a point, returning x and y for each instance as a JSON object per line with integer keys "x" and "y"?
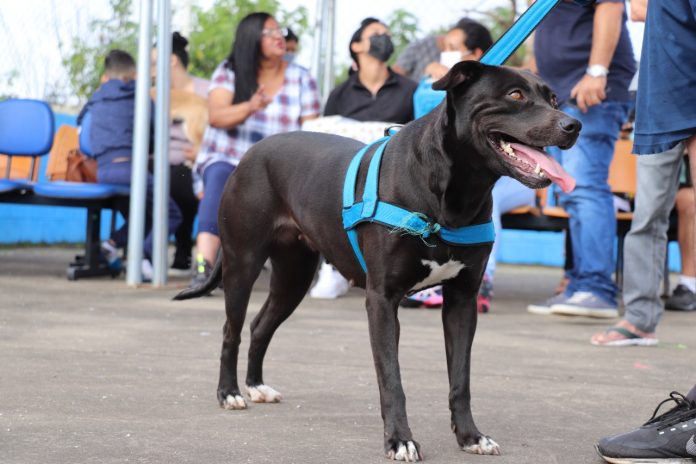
{"x": 639, "y": 10}
{"x": 606, "y": 32}
{"x": 608, "y": 20}
{"x": 224, "y": 115}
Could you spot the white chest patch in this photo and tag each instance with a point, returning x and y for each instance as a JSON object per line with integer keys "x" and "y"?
{"x": 439, "y": 272}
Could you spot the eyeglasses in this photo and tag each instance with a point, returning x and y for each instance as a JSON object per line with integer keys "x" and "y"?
{"x": 276, "y": 32}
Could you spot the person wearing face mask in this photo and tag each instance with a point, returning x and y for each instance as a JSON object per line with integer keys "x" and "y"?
{"x": 467, "y": 40}
{"x": 374, "y": 92}
{"x": 292, "y": 44}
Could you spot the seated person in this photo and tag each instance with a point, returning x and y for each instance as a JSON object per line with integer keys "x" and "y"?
{"x": 372, "y": 93}
{"x": 112, "y": 108}
{"x": 189, "y": 118}
{"x": 467, "y": 40}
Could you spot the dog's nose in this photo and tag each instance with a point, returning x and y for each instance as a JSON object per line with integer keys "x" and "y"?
{"x": 570, "y": 125}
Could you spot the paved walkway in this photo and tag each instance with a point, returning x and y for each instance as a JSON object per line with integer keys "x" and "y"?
{"x": 96, "y": 372}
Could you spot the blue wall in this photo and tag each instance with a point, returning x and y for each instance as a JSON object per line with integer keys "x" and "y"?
{"x": 50, "y": 224}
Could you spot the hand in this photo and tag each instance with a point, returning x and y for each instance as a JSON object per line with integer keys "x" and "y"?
{"x": 590, "y": 91}
{"x": 259, "y": 100}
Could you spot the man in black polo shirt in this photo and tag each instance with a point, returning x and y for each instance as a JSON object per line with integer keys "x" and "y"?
{"x": 374, "y": 92}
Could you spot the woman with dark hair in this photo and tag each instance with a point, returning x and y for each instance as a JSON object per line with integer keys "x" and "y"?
{"x": 254, "y": 93}
{"x": 188, "y": 101}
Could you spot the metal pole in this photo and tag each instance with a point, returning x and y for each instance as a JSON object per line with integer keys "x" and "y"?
{"x": 317, "y": 46}
{"x": 328, "y": 74}
{"x": 141, "y": 139}
{"x": 160, "y": 219}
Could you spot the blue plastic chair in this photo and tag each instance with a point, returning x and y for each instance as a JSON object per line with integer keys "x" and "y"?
{"x": 26, "y": 129}
{"x": 81, "y": 190}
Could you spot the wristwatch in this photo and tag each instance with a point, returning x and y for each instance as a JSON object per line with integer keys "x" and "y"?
{"x": 597, "y": 70}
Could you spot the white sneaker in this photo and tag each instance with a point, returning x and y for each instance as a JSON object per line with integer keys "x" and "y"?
{"x": 330, "y": 285}
{"x": 146, "y": 270}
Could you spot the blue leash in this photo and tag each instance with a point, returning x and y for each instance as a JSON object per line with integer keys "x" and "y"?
{"x": 371, "y": 209}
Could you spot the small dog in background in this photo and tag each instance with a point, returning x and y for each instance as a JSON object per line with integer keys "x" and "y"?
{"x": 192, "y": 111}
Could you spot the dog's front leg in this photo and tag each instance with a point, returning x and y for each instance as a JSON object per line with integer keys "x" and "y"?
{"x": 384, "y": 339}
{"x": 459, "y": 323}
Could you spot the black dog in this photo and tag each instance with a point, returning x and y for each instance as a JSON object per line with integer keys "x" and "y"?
{"x": 284, "y": 201}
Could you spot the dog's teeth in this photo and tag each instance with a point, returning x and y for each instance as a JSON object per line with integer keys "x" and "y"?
{"x": 542, "y": 174}
{"x": 537, "y": 169}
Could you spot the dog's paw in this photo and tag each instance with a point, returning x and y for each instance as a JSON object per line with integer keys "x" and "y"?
{"x": 485, "y": 445}
{"x": 263, "y": 394}
{"x": 233, "y": 402}
{"x": 405, "y": 451}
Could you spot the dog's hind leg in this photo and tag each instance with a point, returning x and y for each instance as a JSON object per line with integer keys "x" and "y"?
{"x": 293, "y": 267}
{"x": 239, "y": 275}
{"x": 459, "y": 318}
{"x": 383, "y": 324}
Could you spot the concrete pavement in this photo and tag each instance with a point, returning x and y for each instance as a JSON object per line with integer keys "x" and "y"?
{"x": 96, "y": 372}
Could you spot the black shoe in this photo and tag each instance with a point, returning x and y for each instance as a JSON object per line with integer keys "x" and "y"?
{"x": 200, "y": 273}
{"x": 667, "y": 438}
{"x": 682, "y": 299}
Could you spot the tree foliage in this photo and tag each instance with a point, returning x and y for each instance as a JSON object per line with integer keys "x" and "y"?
{"x": 85, "y": 63}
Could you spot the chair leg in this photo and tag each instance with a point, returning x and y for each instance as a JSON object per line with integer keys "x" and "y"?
{"x": 89, "y": 265}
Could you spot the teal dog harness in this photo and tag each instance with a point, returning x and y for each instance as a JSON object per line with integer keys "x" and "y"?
{"x": 371, "y": 209}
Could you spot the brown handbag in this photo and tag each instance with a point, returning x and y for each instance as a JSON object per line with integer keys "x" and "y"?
{"x": 81, "y": 168}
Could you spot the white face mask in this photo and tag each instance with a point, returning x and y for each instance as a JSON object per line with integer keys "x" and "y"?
{"x": 449, "y": 59}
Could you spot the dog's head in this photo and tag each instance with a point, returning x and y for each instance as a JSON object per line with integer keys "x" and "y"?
{"x": 508, "y": 117}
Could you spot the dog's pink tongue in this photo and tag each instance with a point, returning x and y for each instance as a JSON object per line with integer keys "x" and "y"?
{"x": 550, "y": 166}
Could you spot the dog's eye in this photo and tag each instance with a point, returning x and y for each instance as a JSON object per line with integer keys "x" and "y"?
{"x": 516, "y": 95}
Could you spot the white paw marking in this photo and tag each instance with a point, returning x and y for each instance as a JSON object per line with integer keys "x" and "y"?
{"x": 485, "y": 445}
{"x": 234, "y": 402}
{"x": 439, "y": 272}
{"x": 263, "y": 394}
{"x": 407, "y": 452}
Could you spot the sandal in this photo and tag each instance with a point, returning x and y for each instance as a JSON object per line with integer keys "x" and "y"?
{"x": 620, "y": 335}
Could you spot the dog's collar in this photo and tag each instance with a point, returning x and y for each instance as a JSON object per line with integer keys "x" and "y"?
{"x": 371, "y": 209}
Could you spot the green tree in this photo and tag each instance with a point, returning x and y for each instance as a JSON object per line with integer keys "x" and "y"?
{"x": 85, "y": 63}
{"x": 214, "y": 29}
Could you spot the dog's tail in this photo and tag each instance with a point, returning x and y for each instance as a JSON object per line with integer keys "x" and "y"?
{"x": 210, "y": 285}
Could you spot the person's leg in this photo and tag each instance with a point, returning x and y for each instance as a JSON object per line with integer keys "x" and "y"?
{"x": 117, "y": 174}
{"x": 172, "y": 223}
{"x": 181, "y": 191}
{"x": 591, "y": 208}
{"x": 646, "y": 245}
{"x": 208, "y": 240}
{"x": 508, "y": 194}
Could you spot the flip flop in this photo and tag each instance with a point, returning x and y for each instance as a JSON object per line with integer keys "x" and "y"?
{"x": 629, "y": 338}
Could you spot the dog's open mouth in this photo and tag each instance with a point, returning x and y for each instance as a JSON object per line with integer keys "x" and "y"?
{"x": 533, "y": 162}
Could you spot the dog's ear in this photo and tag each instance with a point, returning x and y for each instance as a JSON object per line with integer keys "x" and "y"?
{"x": 461, "y": 73}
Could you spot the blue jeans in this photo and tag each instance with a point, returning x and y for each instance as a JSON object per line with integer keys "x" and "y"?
{"x": 120, "y": 173}
{"x": 592, "y": 220}
{"x": 214, "y": 179}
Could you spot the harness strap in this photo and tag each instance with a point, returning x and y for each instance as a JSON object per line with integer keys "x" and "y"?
{"x": 371, "y": 209}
